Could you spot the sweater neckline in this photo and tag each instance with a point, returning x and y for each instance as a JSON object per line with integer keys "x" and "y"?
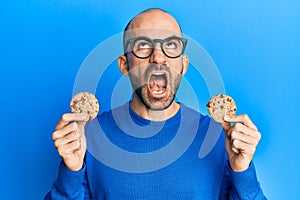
{"x": 147, "y": 122}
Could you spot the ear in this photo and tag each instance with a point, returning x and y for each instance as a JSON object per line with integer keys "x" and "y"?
{"x": 123, "y": 64}
{"x": 185, "y": 63}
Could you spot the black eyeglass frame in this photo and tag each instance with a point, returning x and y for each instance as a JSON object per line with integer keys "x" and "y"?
{"x": 132, "y": 41}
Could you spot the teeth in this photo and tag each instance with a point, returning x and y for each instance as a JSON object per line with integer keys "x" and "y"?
{"x": 158, "y": 92}
{"x": 158, "y": 73}
{"x": 157, "y": 83}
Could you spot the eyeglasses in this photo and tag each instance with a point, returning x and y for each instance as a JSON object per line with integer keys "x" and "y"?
{"x": 143, "y": 47}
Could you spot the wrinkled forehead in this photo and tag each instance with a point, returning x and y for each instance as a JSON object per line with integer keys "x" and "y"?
{"x": 152, "y": 33}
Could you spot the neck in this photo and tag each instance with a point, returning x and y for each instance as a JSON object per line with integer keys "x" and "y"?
{"x": 153, "y": 115}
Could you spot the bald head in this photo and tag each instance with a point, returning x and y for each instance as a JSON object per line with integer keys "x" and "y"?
{"x": 154, "y": 19}
{"x": 152, "y": 16}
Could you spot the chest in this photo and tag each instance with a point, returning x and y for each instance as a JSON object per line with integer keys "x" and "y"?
{"x": 187, "y": 178}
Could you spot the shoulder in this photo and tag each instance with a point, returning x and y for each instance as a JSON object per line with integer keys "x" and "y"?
{"x": 204, "y": 122}
{"x": 115, "y": 112}
{"x": 194, "y": 114}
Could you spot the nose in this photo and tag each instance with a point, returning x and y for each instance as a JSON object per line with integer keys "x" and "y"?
{"x": 158, "y": 57}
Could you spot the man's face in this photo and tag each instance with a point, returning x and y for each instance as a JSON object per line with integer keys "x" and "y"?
{"x": 155, "y": 79}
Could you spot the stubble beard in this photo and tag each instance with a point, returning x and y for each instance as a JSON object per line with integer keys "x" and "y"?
{"x": 159, "y": 104}
{"x": 154, "y": 103}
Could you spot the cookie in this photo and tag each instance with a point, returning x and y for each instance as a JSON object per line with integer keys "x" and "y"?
{"x": 85, "y": 102}
{"x": 221, "y": 105}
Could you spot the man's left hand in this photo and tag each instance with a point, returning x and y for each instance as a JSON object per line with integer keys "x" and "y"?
{"x": 241, "y": 141}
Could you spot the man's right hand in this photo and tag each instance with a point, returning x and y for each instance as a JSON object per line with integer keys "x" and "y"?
{"x": 69, "y": 139}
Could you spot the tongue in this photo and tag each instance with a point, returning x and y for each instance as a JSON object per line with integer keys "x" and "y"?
{"x": 157, "y": 83}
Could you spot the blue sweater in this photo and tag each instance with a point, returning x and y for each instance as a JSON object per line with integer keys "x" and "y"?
{"x": 177, "y": 174}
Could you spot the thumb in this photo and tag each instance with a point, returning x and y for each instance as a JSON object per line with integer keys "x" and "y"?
{"x": 81, "y": 124}
{"x": 226, "y": 124}
{"x": 84, "y": 121}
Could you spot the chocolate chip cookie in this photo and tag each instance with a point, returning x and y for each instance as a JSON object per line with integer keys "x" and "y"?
{"x": 221, "y": 105}
{"x": 85, "y": 102}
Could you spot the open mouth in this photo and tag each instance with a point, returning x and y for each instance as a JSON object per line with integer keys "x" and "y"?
{"x": 157, "y": 83}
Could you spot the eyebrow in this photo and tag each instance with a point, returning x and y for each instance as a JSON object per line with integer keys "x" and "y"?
{"x": 154, "y": 38}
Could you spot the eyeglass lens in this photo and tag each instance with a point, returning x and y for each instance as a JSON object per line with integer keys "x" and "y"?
{"x": 171, "y": 47}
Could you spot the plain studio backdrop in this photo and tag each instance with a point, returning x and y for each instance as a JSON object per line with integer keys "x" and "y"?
{"x": 254, "y": 44}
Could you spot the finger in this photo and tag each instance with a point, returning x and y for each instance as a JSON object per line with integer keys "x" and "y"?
{"x": 226, "y": 126}
{"x": 244, "y": 147}
{"x": 235, "y": 150}
{"x": 68, "y": 117}
{"x": 67, "y": 139}
{"x": 246, "y": 130}
{"x": 242, "y": 119}
{"x": 248, "y": 139}
{"x": 69, "y": 148}
{"x": 65, "y": 131}
{"x": 230, "y": 146}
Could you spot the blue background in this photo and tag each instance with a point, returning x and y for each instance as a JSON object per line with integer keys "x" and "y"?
{"x": 255, "y": 45}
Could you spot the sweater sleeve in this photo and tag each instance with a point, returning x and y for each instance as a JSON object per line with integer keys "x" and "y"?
{"x": 69, "y": 185}
{"x": 241, "y": 185}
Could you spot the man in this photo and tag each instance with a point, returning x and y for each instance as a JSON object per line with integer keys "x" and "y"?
{"x": 155, "y": 63}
